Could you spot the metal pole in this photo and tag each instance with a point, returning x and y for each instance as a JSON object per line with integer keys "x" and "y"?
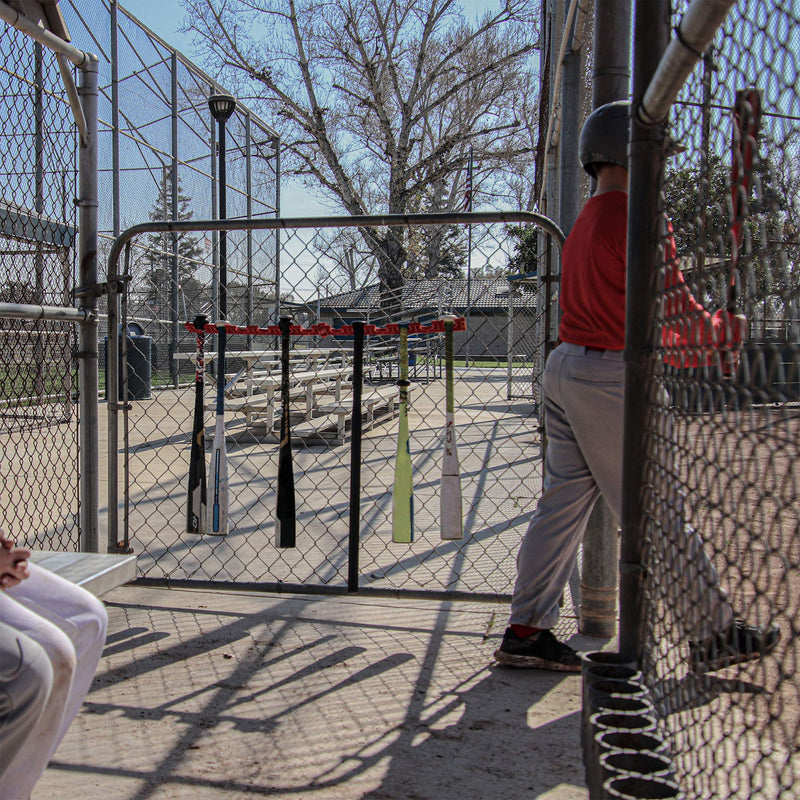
{"x": 600, "y": 573}
{"x": 173, "y": 346}
{"x": 38, "y": 296}
{"x": 651, "y": 35}
{"x": 471, "y": 190}
{"x": 510, "y": 341}
{"x": 249, "y": 211}
{"x": 112, "y": 406}
{"x": 87, "y": 298}
{"x": 115, "y": 204}
{"x": 612, "y": 33}
{"x": 277, "y": 143}
{"x": 571, "y": 95}
{"x": 223, "y": 240}
{"x": 214, "y": 241}
{"x": 32, "y": 311}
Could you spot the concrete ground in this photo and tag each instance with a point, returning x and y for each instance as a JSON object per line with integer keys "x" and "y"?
{"x": 212, "y": 694}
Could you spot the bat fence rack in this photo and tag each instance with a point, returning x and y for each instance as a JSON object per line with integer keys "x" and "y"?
{"x": 166, "y": 555}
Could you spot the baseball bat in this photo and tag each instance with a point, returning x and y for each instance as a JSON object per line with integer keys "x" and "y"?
{"x": 218, "y": 474}
{"x": 354, "y": 528}
{"x": 285, "y": 517}
{"x": 451, "y": 523}
{"x": 196, "y": 505}
{"x": 746, "y": 121}
{"x": 403, "y": 492}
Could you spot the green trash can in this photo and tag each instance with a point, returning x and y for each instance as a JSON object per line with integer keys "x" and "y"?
{"x": 140, "y": 363}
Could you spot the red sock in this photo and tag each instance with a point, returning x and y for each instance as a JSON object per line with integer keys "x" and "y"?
{"x": 523, "y": 631}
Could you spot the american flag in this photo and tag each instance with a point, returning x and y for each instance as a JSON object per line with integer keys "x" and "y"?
{"x": 468, "y": 188}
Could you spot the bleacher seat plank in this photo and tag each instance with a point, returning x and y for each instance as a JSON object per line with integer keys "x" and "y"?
{"x": 98, "y": 573}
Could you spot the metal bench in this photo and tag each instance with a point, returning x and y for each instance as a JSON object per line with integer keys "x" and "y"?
{"x": 372, "y": 401}
{"x": 96, "y": 572}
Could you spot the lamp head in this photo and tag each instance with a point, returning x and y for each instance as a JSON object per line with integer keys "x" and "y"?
{"x": 221, "y": 106}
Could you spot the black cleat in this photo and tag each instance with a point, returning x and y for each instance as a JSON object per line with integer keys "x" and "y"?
{"x": 540, "y": 651}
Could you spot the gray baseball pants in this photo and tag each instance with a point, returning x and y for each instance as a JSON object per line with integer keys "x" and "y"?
{"x": 584, "y": 409}
{"x": 26, "y": 677}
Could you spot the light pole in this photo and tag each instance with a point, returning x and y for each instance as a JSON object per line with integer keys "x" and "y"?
{"x": 222, "y": 107}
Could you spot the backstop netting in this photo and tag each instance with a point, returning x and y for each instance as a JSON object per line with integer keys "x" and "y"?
{"x": 721, "y": 480}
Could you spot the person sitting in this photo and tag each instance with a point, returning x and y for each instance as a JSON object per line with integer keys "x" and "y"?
{"x": 68, "y": 625}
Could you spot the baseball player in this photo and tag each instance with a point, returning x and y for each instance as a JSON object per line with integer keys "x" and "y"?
{"x": 582, "y": 390}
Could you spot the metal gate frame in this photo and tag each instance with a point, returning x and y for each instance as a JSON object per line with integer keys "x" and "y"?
{"x": 118, "y": 279}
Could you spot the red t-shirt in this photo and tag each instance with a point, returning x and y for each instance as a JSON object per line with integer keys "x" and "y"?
{"x": 593, "y": 291}
{"x": 593, "y": 274}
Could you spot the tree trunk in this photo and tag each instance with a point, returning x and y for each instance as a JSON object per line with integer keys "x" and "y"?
{"x": 390, "y": 273}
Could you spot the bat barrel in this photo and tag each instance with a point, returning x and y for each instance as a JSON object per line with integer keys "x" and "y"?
{"x": 403, "y": 490}
{"x": 196, "y": 503}
{"x": 355, "y": 458}
{"x": 285, "y": 514}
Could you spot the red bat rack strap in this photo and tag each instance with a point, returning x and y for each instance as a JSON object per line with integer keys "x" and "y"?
{"x": 323, "y": 329}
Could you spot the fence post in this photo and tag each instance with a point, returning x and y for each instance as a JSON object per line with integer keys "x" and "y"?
{"x": 651, "y": 35}
{"x": 600, "y": 575}
{"x": 87, "y": 344}
{"x": 173, "y": 194}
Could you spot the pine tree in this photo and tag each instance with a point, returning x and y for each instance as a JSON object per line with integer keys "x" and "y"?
{"x": 158, "y": 280}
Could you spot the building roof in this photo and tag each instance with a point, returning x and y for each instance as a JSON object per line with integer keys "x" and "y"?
{"x": 436, "y": 294}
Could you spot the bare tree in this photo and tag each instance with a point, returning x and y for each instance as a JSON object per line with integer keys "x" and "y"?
{"x": 345, "y": 260}
{"x": 378, "y": 100}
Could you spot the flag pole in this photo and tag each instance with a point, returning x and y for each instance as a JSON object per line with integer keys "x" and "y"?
{"x": 468, "y": 207}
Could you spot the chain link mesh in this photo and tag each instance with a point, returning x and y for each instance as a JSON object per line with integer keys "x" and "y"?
{"x": 38, "y": 408}
{"x": 497, "y": 427}
{"x": 721, "y": 485}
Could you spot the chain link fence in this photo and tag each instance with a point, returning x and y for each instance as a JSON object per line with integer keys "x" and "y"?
{"x": 38, "y": 237}
{"x": 721, "y": 480}
{"x": 498, "y": 436}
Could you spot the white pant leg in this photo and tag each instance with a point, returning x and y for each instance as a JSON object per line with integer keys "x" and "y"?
{"x": 70, "y": 624}
{"x": 26, "y": 677}
{"x": 583, "y": 396}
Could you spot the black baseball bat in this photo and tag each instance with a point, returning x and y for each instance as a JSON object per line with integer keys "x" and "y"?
{"x": 285, "y": 516}
{"x": 196, "y": 505}
{"x": 355, "y": 457}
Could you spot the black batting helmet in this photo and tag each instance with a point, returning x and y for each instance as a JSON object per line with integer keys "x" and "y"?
{"x": 604, "y": 136}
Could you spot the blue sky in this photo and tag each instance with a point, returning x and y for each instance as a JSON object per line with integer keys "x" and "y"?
{"x": 166, "y": 16}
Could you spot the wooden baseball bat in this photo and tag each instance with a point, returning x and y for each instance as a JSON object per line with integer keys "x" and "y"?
{"x": 403, "y": 492}
{"x": 451, "y": 522}
{"x": 218, "y": 474}
{"x": 285, "y": 516}
{"x": 196, "y": 505}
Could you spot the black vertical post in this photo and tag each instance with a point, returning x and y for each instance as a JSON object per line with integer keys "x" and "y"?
{"x": 355, "y": 457}
{"x": 173, "y": 201}
{"x": 651, "y": 36}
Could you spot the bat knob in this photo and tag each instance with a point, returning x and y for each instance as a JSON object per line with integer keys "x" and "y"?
{"x": 403, "y": 383}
